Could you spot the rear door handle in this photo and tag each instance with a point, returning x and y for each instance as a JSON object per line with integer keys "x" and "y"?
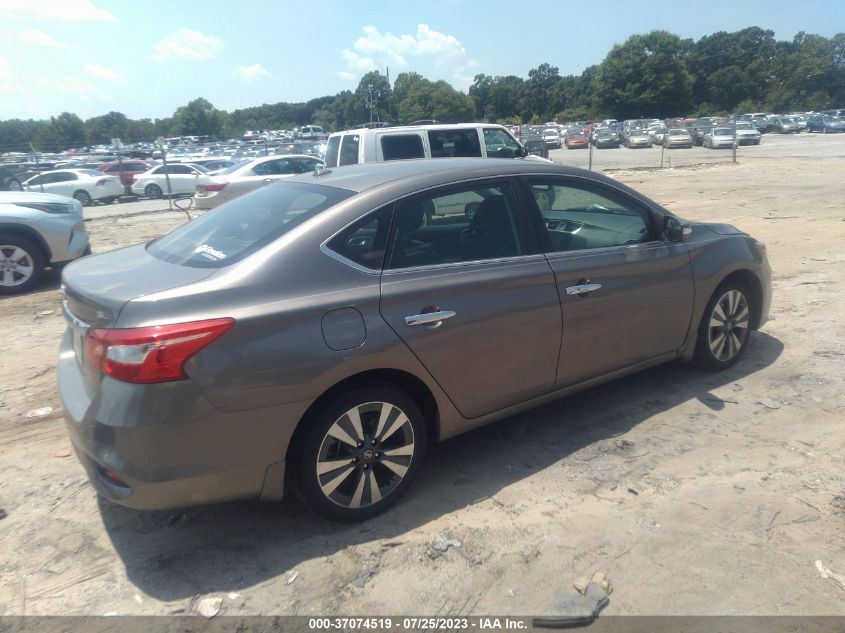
{"x": 429, "y": 318}
{"x": 582, "y": 289}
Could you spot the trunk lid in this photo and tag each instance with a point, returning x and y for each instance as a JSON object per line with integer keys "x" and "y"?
{"x": 95, "y": 289}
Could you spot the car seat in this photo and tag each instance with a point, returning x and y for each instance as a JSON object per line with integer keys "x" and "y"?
{"x": 408, "y": 251}
{"x": 490, "y": 233}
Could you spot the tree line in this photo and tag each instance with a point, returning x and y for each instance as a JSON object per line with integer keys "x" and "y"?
{"x": 657, "y": 74}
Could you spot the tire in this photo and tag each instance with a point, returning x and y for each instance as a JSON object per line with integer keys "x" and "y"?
{"x": 14, "y": 185}
{"x": 720, "y": 346}
{"x": 153, "y": 192}
{"x": 84, "y": 198}
{"x": 21, "y": 264}
{"x": 368, "y": 481}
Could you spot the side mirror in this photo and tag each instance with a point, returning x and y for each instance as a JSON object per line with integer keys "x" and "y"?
{"x": 676, "y": 231}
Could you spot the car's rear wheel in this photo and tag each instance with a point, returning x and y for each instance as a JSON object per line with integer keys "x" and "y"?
{"x": 14, "y": 185}
{"x": 360, "y": 453}
{"x": 21, "y": 264}
{"x": 84, "y": 198}
{"x": 153, "y": 192}
{"x": 725, "y": 327}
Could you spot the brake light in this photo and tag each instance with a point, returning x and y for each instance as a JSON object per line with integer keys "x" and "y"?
{"x": 151, "y": 354}
{"x": 214, "y": 186}
{"x": 102, "y": 181}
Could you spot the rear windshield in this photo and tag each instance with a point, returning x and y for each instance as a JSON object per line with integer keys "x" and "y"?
{"x": 240, "y": 227}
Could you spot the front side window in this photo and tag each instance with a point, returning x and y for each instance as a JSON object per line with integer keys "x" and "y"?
{"x": 579, "y": 217}
{"x": 500, "y": 144}
{"x": 349, "y": 150}
{"x": 454, "y": 143}
{"x": 461, "y": 225}
{"x": 402, "y": 146}
{"x": 236, "y": 229}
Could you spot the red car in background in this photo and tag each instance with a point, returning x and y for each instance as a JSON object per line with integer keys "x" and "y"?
{"x": 576, "y": 140}
{"x": 126, "y": 171}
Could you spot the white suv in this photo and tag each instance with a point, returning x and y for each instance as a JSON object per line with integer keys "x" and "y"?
{"x": 482, "y": 140}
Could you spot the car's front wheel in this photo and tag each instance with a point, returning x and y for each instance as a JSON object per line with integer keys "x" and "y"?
{"x": 725, "y": 328}
{"x": 360, "y": 453}
{"x": 21, "y": 264}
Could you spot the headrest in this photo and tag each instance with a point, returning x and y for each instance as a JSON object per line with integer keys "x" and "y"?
{"x": 492, "y": 216}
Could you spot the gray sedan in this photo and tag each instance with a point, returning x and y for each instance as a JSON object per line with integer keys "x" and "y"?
{"x": 319, "y": 332}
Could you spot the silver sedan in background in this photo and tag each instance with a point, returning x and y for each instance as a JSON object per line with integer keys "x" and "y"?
{"x": 37, "y": 230}
{"x": 250, "y": 175}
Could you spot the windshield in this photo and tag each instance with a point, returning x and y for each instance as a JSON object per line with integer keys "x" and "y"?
{"x": 236, "y": 229}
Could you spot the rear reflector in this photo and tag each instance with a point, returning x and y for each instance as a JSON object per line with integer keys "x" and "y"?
{"x": 151, "y": 354}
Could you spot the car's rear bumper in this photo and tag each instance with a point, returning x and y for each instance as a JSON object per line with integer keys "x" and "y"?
{"x": 165, "y": 445}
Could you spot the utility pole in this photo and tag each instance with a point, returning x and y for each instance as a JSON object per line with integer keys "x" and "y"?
{"x": 372, "y": 100}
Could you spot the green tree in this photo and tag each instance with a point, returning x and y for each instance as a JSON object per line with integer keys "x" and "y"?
{"x": 197, "y": 118}
{"x": 645, "y": 76}
{"x": 541, "y": 84}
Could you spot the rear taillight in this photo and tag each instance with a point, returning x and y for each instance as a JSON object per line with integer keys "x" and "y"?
{"x": 101, "y": 182}
{"x": 151, "y": 354}
{"x": 214, "y": 186}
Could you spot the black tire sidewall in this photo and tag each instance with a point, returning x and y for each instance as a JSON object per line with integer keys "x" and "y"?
{"x": 38, "y": 261}
{"x": 84, "y": 198}
{"x": 703, "y": 355}
{"x": 305, "y": 475}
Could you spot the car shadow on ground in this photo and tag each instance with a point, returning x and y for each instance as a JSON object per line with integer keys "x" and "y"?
{"x": 228, "y": 547}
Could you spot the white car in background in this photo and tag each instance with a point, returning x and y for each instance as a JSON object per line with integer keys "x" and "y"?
{"x": 182, "y": 176}
{"x": 250, "y": 175}
{"x": 85, "y": 185}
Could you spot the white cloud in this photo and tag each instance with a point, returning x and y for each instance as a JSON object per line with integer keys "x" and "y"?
{"x": 75, "y": 86}
{"x": 39, "y": 38}
{"x": 345, "y": 75}
{"x": 375, "y": 50}
{"x": 6, "y": 73}
{"x": 187, "y": 44}
{"x": 102, "y": 72}
{"x": 252, "y": 73}
{"x": 61, "y": 10}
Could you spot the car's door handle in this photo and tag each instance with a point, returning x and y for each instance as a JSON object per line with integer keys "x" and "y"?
{"x": 429, "y": 318}
{"x": 582, "y": 288}
{"x": 268, "y": 180}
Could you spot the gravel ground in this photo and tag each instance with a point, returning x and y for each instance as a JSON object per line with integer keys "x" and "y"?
{"x": 696, "y": 493}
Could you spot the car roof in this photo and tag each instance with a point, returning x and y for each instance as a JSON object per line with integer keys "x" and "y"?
{"x": 417, "y": 128}
{"x": 428, "y": 172}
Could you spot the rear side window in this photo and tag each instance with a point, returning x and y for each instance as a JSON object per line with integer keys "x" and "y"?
{"x": 239, "y": 228}
{"x": 332, "y": 148}
{"x": 349, "y": 150}
{"x": 451, "y": 143}
{"x": 365, "y": 241}
{"x": 402, "y": 146}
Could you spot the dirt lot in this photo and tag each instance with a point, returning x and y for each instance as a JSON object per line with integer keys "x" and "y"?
{"x": 696, "y": 493}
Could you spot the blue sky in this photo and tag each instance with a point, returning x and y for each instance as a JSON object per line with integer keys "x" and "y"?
{"x": 147, "y": 58}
